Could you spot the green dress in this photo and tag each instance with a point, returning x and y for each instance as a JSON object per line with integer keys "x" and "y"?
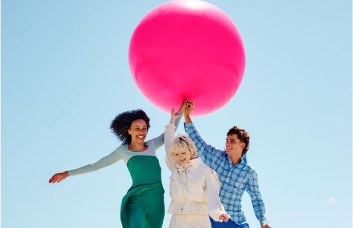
{"x": 143, "y": 205}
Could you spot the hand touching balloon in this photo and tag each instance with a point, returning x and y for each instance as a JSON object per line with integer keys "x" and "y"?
{"x": 189, "y": 107}
{"x": 183, "y": 105}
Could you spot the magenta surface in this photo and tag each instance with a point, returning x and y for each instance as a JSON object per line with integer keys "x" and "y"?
{"x": 187, "y": 49}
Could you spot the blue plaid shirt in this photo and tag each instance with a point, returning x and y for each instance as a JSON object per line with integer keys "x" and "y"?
{"x": 234, "y": 179}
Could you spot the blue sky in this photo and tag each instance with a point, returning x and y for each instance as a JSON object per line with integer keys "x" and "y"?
{"x": 65, "y": 76}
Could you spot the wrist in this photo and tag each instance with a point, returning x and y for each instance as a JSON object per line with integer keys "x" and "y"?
{"x": 66, "y": 173}
{"x": 187, "y": 119}
{"x": 172, "y": 120}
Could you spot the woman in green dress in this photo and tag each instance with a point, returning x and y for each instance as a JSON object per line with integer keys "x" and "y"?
{"x": 143, "y": 205}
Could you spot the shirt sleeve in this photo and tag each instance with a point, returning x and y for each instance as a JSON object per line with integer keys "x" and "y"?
{"x": 159, "y": 141}
{"x": 209, "y": 155}
{"x": 169, "y": 135}
{"x": 110, "y": 159}
{"x": 253, "y": 189}
{"x": 214, "y": 205}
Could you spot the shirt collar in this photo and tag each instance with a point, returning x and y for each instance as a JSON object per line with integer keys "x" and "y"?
{"x": 244, "y": 160}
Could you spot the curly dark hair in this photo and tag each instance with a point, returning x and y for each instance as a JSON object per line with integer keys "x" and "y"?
{"x": 243, "y": 136}
{"x": 122, "y": 123}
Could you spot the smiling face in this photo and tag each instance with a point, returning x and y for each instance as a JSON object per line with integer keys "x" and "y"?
{"x": 182, "y": 156}
{"x": 138, "y": 131}
{"x": 233, "y": 145}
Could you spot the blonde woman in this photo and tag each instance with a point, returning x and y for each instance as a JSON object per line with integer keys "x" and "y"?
{"x": 194, "y": 187}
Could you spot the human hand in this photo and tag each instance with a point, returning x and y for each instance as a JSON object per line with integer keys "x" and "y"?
{"x": 189, "y": 107}
{"x": 265, "y": 225}
{"x": 174, "y": 115}
{"x": 59, "y": 177}
{"x": 224, "y": 217}
{"x": 183, "y": 105}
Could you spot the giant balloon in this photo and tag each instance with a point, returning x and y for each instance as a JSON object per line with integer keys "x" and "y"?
{"x": 187, "y": 49}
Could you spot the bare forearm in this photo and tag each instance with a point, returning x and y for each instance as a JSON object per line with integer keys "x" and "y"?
{"x": 187, "y": 119}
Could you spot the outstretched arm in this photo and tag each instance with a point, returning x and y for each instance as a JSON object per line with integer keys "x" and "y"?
{"x": 56, "y": 178}
{"x": 101, "y": 163}
{"x": 253, "y": 189}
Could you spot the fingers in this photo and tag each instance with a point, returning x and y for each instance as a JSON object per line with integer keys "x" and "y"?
{"x": 56, "y": 178}
{"x": 52, "y": 179}
{"x": 183, "y": 105}
{"x": 172, "y": 111}
{"x": 191, "y": 103}
{"x": 223, "y": 217}
{"x": 189, "y": 107}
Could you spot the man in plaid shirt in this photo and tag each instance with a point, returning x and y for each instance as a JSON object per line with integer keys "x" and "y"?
{"x": 234, "y": 173}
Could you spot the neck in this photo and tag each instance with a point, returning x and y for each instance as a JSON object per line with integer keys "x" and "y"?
{"x": 236, "y": 158}
{"x": 136, "y": 146}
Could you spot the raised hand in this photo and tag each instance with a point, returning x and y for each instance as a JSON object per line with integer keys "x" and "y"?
{"x": 59, "y": 177}
{"x": 189, "y": 107}
{"x": 174, "y": 115}
{"x": 183, "y": 105}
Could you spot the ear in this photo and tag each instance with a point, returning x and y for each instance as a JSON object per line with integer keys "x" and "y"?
{"x": 129, "y": 131}
{"x": 242, "y": 145}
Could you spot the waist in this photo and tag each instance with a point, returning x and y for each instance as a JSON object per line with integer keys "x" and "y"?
{"x": 187, "y": 206}
{"x": 139, "y": 182}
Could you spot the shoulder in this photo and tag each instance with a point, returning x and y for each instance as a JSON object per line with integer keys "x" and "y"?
{"x": 121, "y": 152}
{"x": 151, "y": 142}
{"x": 250, "y": 170}
{"x": 211, "y": 175}
{"x": 208, "y": 171}
{"x": 120, "y": 149}
{"x": 204, "y": 168}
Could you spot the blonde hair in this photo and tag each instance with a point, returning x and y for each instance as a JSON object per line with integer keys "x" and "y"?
{"x": 181, "y": 142}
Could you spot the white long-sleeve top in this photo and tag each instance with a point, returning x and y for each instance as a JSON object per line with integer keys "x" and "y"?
{"x": 193, "y": 188}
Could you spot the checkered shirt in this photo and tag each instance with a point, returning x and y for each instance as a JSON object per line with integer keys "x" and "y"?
{"x": 234, "y": 179}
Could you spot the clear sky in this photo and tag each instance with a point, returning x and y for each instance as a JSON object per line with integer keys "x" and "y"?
{"x": 65, "y": 76}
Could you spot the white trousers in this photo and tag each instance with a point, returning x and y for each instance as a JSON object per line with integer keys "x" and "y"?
{"x": 190, "y": 221}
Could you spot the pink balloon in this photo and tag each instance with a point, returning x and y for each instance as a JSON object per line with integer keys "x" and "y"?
{"x": 187, "y": 49}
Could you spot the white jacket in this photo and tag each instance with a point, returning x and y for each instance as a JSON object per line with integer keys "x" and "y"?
{"x": 194, "y": 189}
